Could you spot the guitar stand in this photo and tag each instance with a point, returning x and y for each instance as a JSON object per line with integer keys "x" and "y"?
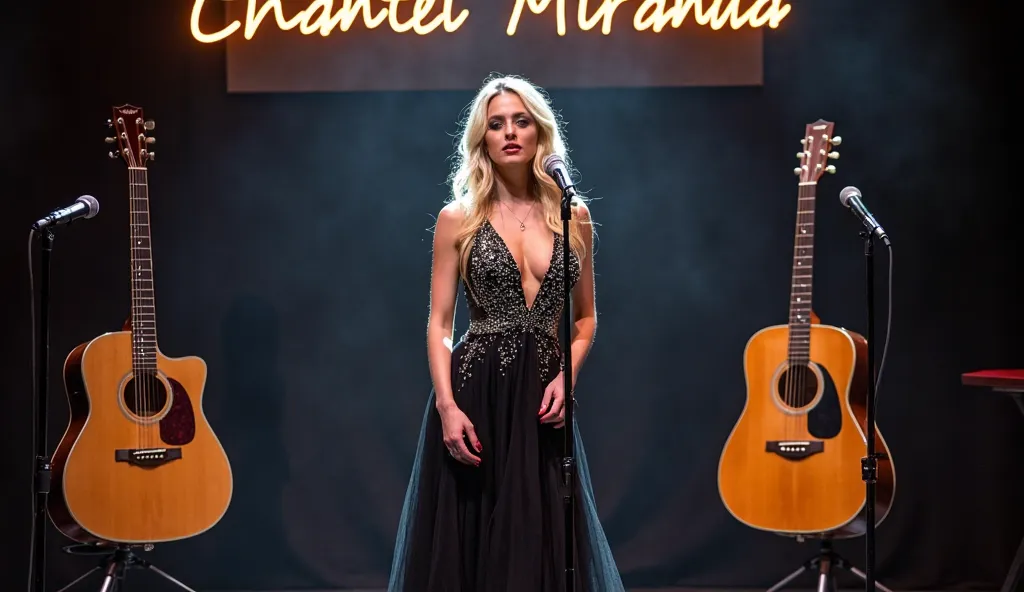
{"x": 823, "y": 563}
{"x": 116, "y": 565}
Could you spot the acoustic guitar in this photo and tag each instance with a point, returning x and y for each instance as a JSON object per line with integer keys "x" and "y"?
{"x": 792, "y": 463}
{"x": 138, "y": 462}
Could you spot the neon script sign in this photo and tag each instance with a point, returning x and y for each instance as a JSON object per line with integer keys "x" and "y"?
{"x": 425, "y": 16}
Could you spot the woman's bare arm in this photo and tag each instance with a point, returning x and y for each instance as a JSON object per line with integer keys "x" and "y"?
{"x": 444, "y": 278}
{"x": 583, "y": 294}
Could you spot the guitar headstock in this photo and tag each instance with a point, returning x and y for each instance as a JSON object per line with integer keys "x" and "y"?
{"x": 818, "y": 143}
{"x": 130, "y": 129}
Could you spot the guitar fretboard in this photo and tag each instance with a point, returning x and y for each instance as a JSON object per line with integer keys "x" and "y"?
{"x": 803, "y": 275}
{"x": 143, "y": 296}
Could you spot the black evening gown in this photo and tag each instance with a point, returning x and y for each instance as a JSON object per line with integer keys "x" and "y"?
{"x": 500, "y": 527}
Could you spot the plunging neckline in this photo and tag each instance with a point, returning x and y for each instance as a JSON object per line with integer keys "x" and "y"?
{"x": 519, "y": 271}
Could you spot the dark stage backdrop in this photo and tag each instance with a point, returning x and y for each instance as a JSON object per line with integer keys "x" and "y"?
{"x": 292, "y": 250}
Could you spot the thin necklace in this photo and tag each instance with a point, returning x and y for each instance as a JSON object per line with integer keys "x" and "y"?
{"x": 522, "y": 225}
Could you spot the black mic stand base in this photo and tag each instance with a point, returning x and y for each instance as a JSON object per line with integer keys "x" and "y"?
{"x": 116, "y": 565}
{"x": 823, "y": 564}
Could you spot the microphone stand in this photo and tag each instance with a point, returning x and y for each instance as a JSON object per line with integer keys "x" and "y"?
{"x": 869, "y": 463}
{"x": 569, "y": 460}
{"x": 41, "y": 477}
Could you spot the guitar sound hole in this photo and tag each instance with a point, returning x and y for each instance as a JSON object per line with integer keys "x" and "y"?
{"x": 797, "y": 386}
{"x": 145, "y": 395}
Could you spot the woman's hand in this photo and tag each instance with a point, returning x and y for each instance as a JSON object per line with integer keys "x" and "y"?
{"x": 454, "y": 424}
{"x": 554, "y": 402}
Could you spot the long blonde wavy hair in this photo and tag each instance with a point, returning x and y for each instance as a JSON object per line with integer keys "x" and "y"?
{"x": 473, "y": 182}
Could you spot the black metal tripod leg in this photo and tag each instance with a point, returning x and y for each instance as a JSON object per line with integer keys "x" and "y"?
{"x": 844, "y": 564}
{"x": 109, "y": 584}
{"x": 116, "y": 568}
{"x": 115, "y": 573}
{"x": 826, "y": 579}
{"x": 1017, "y": 398}
{"x": 809, "y": 565}
{"x": 787, "y": 579}
{"x": 864, "y": 576}
{"x": 1012, "y": 581}
{"x": 165, "y": 575}
{"x": 79, "y": 579}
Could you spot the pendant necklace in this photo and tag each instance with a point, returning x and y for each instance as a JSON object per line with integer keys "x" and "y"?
{"x": 522, "y": 225}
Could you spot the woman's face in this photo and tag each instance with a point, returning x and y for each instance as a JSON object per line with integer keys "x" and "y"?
{"x": 511, "y": 136}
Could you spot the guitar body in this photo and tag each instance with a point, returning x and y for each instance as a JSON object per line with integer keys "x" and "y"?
{"x": 792, "y": 464}
{"x": 138, "y": 463}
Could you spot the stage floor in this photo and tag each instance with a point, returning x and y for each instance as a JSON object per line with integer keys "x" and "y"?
{"x": 786, "y": 589}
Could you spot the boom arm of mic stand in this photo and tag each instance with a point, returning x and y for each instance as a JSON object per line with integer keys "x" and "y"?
{"x": 569, "y": 460}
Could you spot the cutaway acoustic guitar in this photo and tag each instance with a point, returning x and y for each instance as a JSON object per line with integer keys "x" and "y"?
{"x": 138, "y": 463}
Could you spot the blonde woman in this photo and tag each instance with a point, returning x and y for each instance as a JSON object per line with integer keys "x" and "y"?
{"x": 484, "y": 507}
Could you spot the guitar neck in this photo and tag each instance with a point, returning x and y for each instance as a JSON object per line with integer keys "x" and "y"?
{"x": 803, "y": 276}
{"x": 143, "y": 297}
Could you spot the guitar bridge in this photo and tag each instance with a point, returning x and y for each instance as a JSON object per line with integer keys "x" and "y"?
{"x": 147, "y": 457}
{"x": 794, "y": 449}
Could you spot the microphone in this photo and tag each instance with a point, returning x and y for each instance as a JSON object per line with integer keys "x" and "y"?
{"x": 86, "y": 206}
{"x": 555, "y": 167}
{"x": 851, "y": 198}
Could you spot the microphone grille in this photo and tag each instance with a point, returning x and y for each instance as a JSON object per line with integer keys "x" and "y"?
{"x": 92, "y": 203}
{"x": 847, "y": 193}
{"x": 552, "y": 162}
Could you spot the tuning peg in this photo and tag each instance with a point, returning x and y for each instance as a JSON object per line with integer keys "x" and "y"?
{"x": 797, "y": 171}
{"x": 112, "y": 155}
{"x": 109, "y": 140}
{"x": 803, "y": 141}
{"x": 837, "y": 141}
{"x": 150, "y": 140}
{"x": 833, "y": 155}
{"x": 149, "y": 125}
{"x": 151, "y": 155}
{"x": 110, "y": 122}
{"x": 830, "y": 169}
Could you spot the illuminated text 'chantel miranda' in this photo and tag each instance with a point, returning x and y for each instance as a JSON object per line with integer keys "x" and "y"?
{"x": 426, "y": 16}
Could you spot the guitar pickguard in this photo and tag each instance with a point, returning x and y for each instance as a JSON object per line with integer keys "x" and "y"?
{"x": 825, "y": 420}
{"x": 178, "y": 427}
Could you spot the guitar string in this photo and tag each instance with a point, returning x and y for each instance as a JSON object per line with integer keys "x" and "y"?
{"x": 133, "y": 325}
{"x": 794, "y": 320}
{"x": 789, "y": 331}
{"x": 794, "y": 368}
{"x": 793, "y": 317}
{"x": 807, "y": 218}
{"x": 798, "y": 288}
{"x": 142, "y": 377}
{"x": 796, "y": 363}
{"x": 150, "y": 332}
{"x": 143, "y": 316}
{"x": 140, "y": 372}
{"x": 147, "y": 297}
{"x": 804, "y": 381}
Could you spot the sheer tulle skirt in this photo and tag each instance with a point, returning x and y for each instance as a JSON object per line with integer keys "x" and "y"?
{"x": 499, "y": 527}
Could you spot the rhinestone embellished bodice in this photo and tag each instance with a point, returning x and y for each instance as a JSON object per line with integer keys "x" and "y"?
{"x": 497, "y": 302}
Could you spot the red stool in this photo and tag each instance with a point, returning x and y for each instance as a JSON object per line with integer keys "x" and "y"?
{"x": 1010, "y": 382}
